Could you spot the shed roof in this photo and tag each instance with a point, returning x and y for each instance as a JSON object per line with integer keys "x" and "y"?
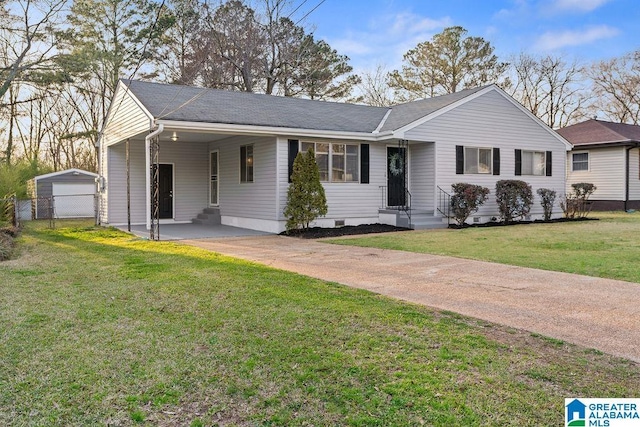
{"x": 205, "y": 105}
{"x": 598, "y": 132}
{"x": 64, "y": 172}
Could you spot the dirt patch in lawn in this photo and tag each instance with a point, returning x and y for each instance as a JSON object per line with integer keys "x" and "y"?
{"x": 347, "y": 230}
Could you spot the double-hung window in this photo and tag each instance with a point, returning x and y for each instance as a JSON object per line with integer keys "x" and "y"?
{"x": 337, "y": 162}
{"x": 534, "y": 163}
{"x": 246, "y": 163}
{"x": 477, "y": 160}
{"x": 580, "y": 161}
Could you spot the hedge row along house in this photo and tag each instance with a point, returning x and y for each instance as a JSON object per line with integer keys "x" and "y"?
{"x": 227, "y": 156}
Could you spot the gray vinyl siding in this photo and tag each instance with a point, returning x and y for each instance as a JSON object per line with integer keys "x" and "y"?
{"x": 634, "y": 174}
{"x": 606, "y": 170}
{"x": 117, "y": 183}
{"x": 255, "y": 199}
{"x": 344, "y": 199}
{"x": 491, "y": 121}
{"x": 190, "y": 183}
{"x": 190, "y": 177}
{"x": 422, "y": 175}
{"x": 126, "y": 118}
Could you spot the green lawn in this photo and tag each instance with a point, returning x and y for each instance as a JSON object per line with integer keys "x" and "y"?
{"x": 609, "y": 247}
{"x": 100, "y": 328}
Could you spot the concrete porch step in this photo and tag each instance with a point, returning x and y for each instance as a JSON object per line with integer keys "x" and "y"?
{"x": 210, "y": 216}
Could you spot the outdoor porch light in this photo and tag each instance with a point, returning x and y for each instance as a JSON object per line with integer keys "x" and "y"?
{"x": 174, "y": 137}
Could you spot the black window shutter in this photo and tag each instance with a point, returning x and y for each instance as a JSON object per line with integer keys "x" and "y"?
{"x": 459, "y": 159}
{"x": 364, "y": 163}
{"x": 549, "y": 163}
{"x": 518, "y": 162}
{"x": 293, "y": 152}
{"x": 496, "y": 161}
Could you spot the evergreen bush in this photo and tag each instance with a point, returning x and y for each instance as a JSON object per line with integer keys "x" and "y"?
{"x": 305, "y": 198}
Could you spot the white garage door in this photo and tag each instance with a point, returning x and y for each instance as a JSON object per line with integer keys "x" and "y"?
{"x": 73, "y": 200}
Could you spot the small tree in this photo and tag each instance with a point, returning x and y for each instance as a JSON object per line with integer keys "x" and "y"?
{"x": 547, "y": 199}
{"x": 575, "y": 203}
{"x": 466, "y": 199}
{"x": 514, "y": 199}
{"x": 305, "y": 198}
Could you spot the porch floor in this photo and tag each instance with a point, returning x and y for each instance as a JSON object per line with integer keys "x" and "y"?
{"x": 194, "y": 231}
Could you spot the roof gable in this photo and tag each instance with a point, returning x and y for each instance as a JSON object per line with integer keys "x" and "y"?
{"x": 600, "y": 132}
{"x": 405, "y": 114}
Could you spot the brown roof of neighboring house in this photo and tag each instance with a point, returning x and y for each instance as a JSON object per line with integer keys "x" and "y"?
{"x": 598, "y": 132}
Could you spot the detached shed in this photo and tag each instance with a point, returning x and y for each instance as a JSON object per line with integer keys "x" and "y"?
{"x": 64, "y": 194}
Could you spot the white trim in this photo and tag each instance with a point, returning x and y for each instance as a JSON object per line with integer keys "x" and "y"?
{"x": 222, "y": 128}
{"x": 52, "y": 174}
{"x": 217, "y": 151}
{"x": 382, "y": 122}
{"x": 267, "y": 225}
{"x": 107, "y": 120}
{"x": 588, "y": 160}
{"x": 464, "y": 157}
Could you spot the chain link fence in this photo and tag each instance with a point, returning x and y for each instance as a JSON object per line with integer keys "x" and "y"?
{"x": 14, "y": 211}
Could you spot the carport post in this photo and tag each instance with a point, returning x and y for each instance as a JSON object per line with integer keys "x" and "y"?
{"x": 147, "y": 158}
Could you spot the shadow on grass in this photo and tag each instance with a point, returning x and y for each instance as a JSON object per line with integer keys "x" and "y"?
{"x": 117, "y": 329}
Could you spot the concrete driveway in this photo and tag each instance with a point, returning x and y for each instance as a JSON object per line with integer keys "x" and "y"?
{"x": 596, "y": 313}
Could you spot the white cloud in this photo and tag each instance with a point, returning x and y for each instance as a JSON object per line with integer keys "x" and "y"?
{"x": 555, "y": 40}
{"x": 410, "y": 23}
{"x": 578, "y": 5}
{"x": 387, "y": 38}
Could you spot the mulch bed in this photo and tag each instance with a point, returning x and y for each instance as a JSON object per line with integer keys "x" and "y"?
{"x": 347, "y": 230}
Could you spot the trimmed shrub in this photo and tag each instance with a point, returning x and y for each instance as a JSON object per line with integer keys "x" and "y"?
{"x": 575, "y": 204}
{"x": 547, "y": 199}
{"x": 305, "y": 198}
{"x": 514, "y": 199}
{"x": 466, "y": 199}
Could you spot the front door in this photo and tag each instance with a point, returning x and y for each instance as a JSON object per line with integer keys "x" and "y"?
{"x": 165, "y": 190}
{"x": 396, "y": 176}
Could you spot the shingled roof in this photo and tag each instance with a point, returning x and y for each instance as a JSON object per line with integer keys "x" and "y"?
{"x": 598, "y": 132}
{"x": 196, "y": 104}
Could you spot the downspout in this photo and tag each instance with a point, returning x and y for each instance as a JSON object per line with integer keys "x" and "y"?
{"x": 627, "y": 176}
{"x": 147, "y": 158}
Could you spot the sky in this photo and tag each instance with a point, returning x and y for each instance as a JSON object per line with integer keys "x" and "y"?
{"x": 373, "y": 32}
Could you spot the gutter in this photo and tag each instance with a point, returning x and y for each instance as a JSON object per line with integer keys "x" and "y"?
{"x": 234, "y": 129}
{"x": 147, "y": 159}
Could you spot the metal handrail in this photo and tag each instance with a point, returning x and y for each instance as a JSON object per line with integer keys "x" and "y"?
{"x": 444, "y": 204}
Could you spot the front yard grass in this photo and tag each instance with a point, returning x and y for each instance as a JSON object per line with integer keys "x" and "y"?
{"x": 607, "y": 248}
{"x": 101, "y": 328}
